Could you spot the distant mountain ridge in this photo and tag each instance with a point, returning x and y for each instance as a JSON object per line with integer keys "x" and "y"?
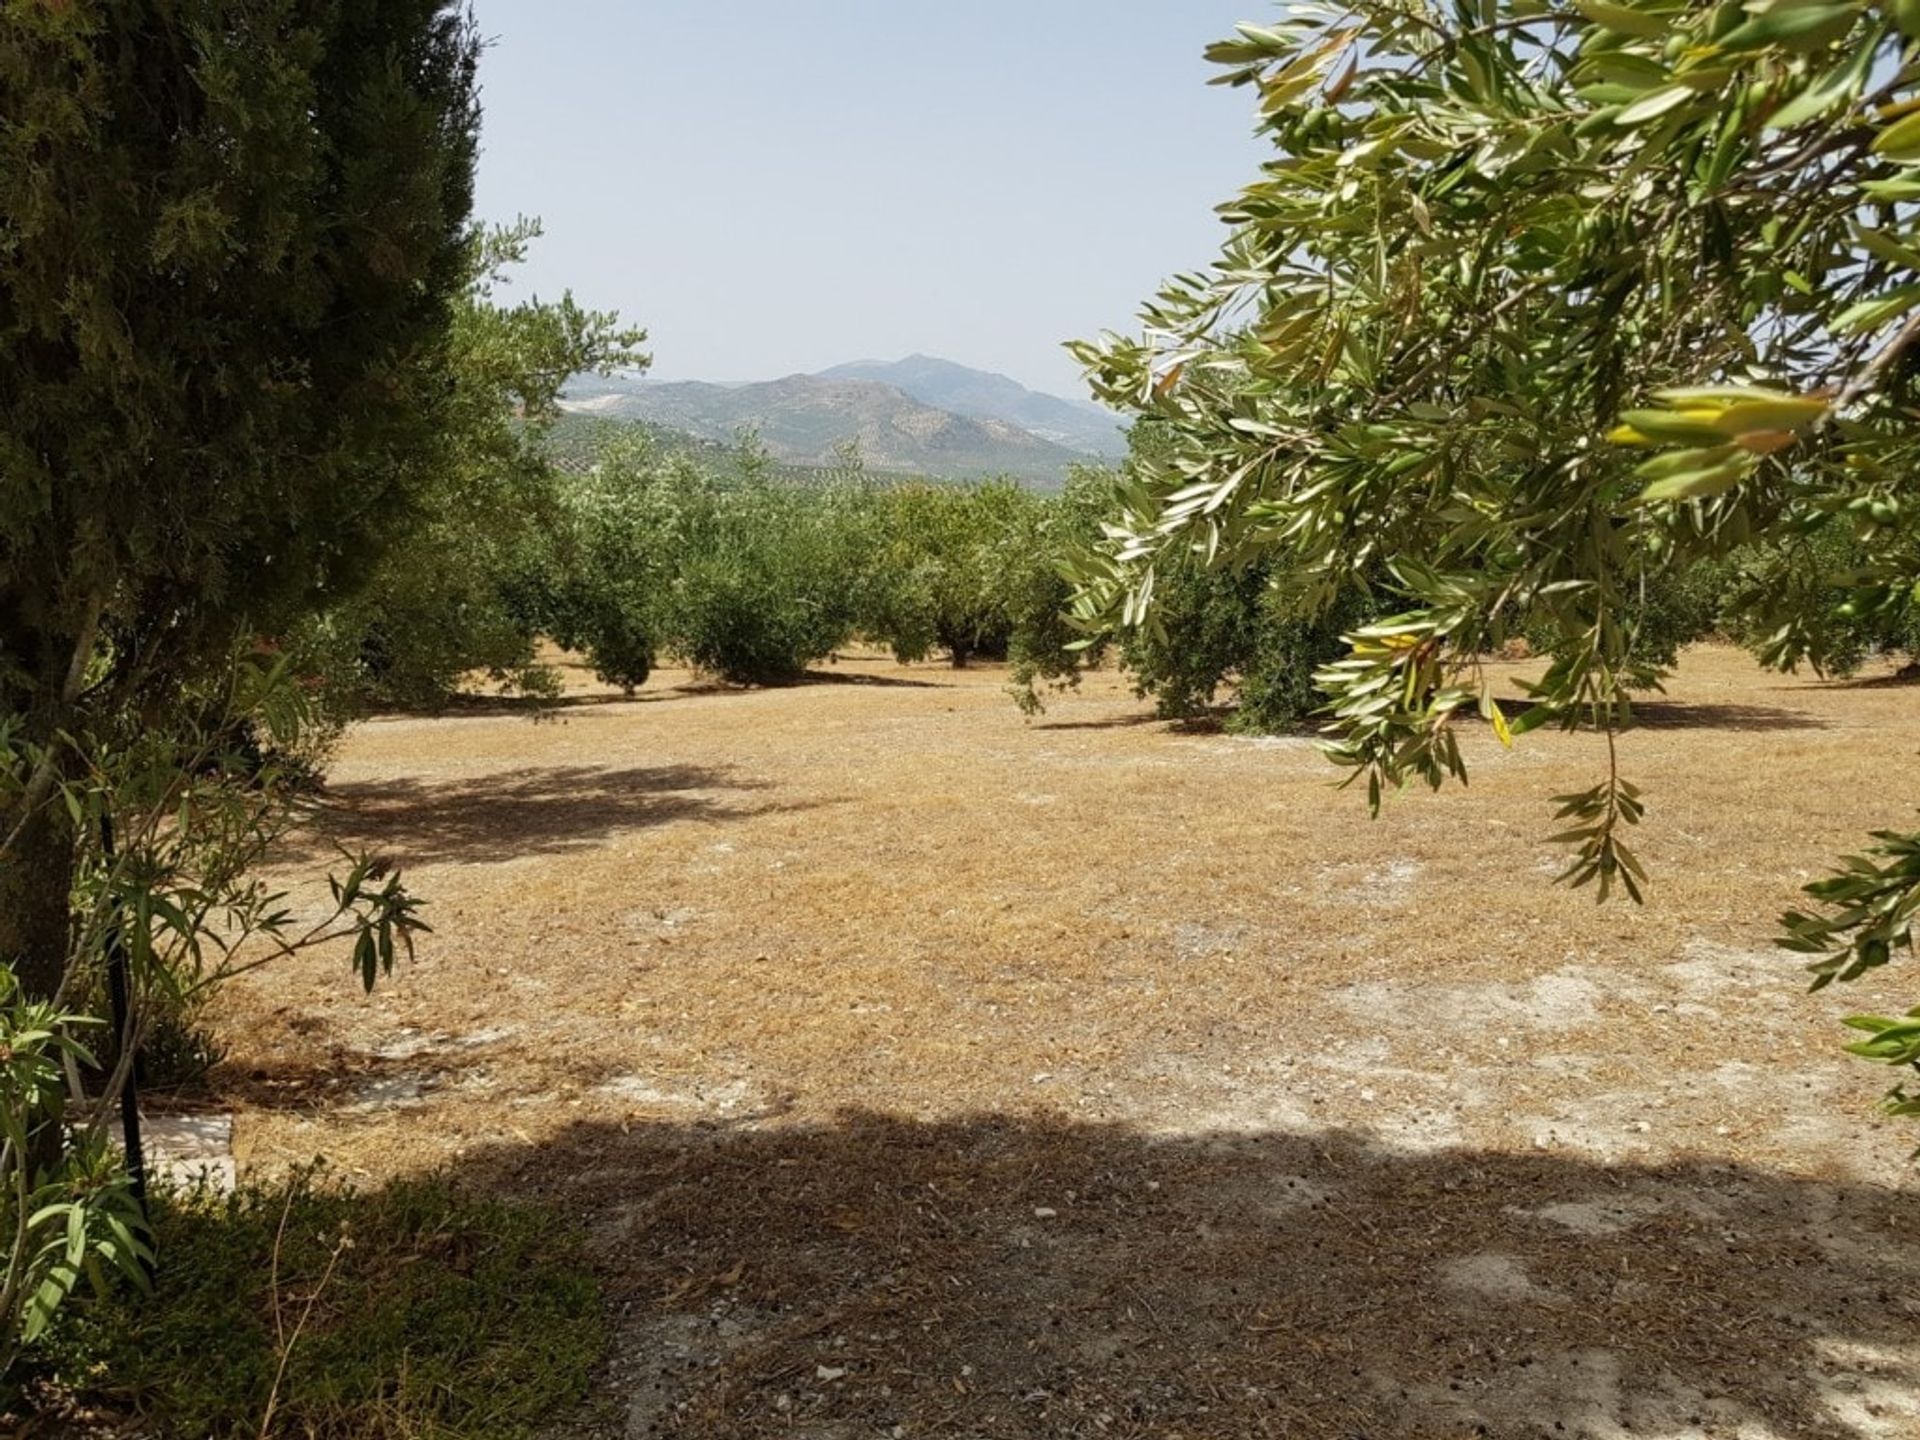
{"x": 932, "y": 418}
{"x": 981, "y": 394}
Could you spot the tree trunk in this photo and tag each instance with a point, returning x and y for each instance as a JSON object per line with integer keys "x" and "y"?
{"x": 37, "y": 852}
{"x": 36, "y": 887}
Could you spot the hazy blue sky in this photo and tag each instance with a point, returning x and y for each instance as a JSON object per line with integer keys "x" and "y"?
{"x": 779, "y": 185}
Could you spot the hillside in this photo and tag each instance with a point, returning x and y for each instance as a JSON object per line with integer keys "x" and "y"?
{"x": 983, "y": 395}
{"x": 574, "y": 440}
{"x": 804, "y": 420}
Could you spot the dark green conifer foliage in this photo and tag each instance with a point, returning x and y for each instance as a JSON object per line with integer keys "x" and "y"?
{"x": 230, "y": 235}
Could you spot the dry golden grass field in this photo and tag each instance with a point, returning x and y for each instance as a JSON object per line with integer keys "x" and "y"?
{"x": 917, "y": 1070}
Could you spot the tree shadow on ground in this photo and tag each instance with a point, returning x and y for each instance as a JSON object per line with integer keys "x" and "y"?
{"x": 1647, "y": 715}
{"x": 346, "y": 1079}
{"x": 471, "y": 705}
{"x": 535, "y": 707}
{"x": 1905, "y": 678}
{"x": 848, "y": 677}
{"x": 543, "y": 811}
{"x": 1683, "y": 715}
{"x": 1032, "y": 1277}
{"x": 803, "y": 681}
{"x": 1209, "y": 722}
{"x": 1692, "y": 715}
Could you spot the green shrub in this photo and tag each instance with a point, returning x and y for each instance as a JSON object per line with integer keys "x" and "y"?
{"x": 1208, "y": 628}
{"x": 1048, "y": 647}
{"x": 740, "y": 576}
{"x": 769, "y": 581}
{"x": 618, "y": 645}
{"x": 737, "y": 616}
{"x": 1814, "y": 597}
{"x": 1234, "y": 630}
{"x": 432, "y": 1314}
{"x": 948, "y": 568}
{"x": 1277, "y": 690}
{"x": 599, "y": 590}
{"x": 411, "y": 641}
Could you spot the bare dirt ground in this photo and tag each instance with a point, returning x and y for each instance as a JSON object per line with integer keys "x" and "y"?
{"x": 916, "y": 1070}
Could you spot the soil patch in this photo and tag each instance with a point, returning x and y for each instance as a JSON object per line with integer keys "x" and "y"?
{"x": 922, "y": 1071}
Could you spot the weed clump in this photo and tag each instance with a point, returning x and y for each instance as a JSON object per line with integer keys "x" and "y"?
{"x": 308, "y": 1309}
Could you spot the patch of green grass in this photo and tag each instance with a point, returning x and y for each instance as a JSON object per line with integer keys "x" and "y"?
{"x": 427, "y": 1313}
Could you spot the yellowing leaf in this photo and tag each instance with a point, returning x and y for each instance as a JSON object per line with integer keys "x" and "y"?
{"x": 1782, "y": 414}
{"x": 1498, "y": 719}
{"x": 1681, "y": 462}
{"x": 1681, "y": 427}
{"x": 1385, "y": 644}
{"x": 1695, "y": 397}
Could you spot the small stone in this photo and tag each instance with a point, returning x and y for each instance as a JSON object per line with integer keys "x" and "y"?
{"x": 829, "y": 1372}
{"x": 1044, "y": 1212}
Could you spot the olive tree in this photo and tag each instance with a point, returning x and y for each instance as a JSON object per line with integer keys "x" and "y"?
{"x": 1535, "y": 304}
{"x": 606, "y": 589}
{"x": 493, "y": 505}
{"x": 946, "y": 566}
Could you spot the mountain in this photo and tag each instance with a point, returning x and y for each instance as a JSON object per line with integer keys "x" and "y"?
{"x": 803, "y": 418}
{"x": 983, "y": 395}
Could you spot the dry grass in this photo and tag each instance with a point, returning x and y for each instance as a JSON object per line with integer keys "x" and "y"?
{"x": 919, "y": 1067}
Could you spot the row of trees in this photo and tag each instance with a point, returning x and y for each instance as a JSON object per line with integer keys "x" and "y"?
{"x": 645, "y": 551}
{"x": 634, "y": 549}
{"x": 630, "y": 548}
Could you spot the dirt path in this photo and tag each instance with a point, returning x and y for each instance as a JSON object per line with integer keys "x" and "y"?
{"x": 920, "y": 1071}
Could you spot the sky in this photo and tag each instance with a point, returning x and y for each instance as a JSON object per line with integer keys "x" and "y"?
{"x": 772, "y": 186}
